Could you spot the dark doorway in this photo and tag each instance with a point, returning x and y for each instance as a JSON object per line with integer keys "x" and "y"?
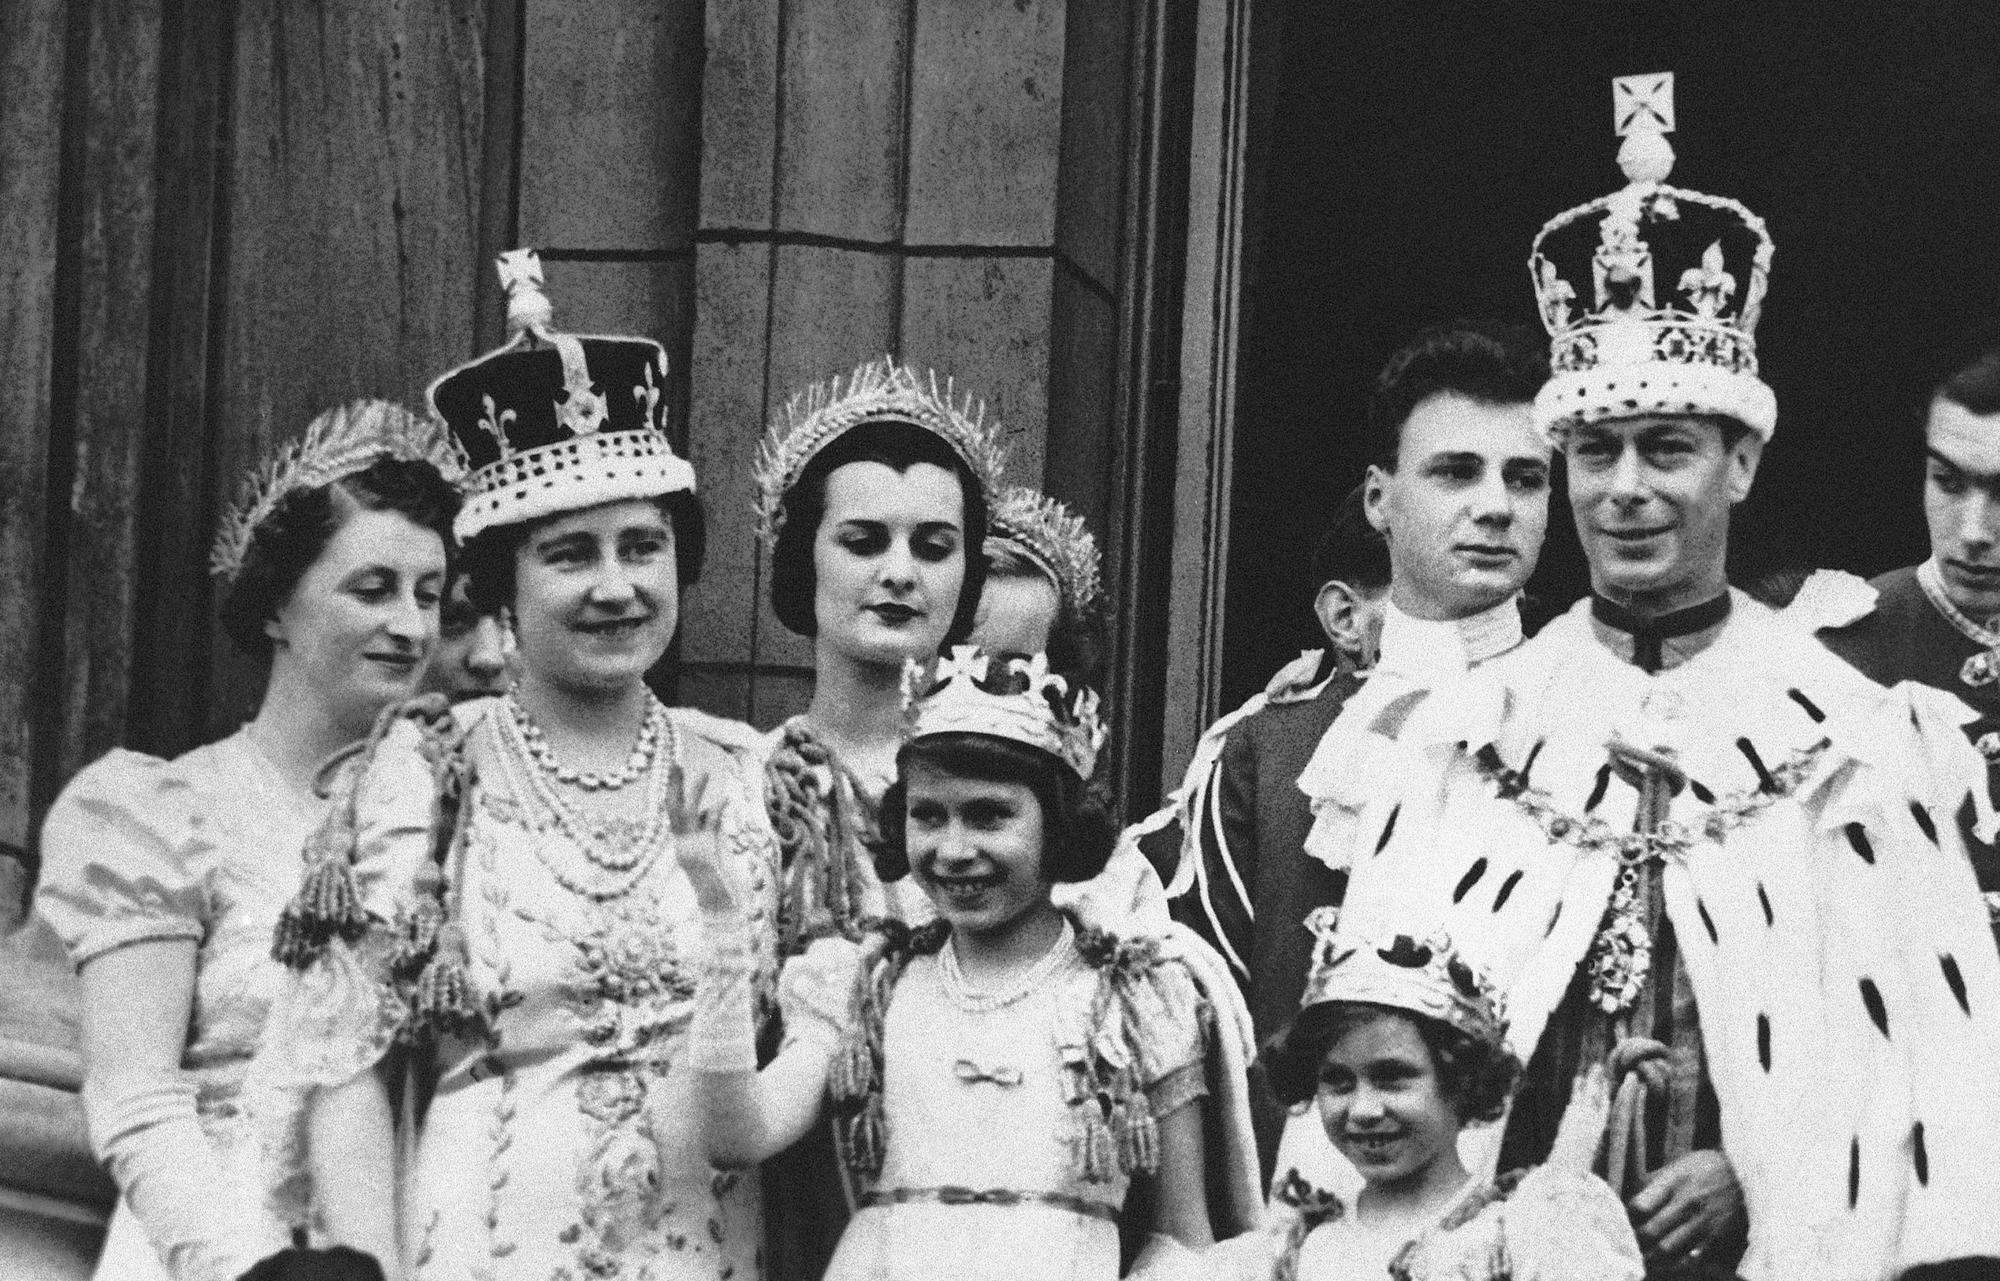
{"x": 1415, "y": 149}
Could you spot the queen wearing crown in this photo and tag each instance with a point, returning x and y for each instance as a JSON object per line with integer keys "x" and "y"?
{"x": 495, "y": 893}
{"x": 1003, "y": 1076}
{"x": 164, "y": 878}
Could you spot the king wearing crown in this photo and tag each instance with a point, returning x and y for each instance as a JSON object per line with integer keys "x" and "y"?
{"x": 1690, "y": 846}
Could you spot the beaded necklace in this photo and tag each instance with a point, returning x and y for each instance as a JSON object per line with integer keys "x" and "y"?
{"x": 1032, "y": 979}
{"x": 635, "y": 765}
{"x": 621, "y": 855}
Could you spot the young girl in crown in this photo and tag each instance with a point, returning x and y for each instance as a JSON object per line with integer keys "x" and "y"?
{"x": 1003, "y": 1077}
{"x": 1399, "y": 1047}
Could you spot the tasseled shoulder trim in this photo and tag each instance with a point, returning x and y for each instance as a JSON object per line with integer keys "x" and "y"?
{"x": 825, "y": 829}
{"x": 423, "y": 952}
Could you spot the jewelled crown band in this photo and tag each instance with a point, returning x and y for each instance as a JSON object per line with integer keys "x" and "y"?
{"x": 1651, "y": 294}
{"x": 1422, "y": 976}
{"x": 1058, "y": 543}
{"x": 879, "y": 391}
{"x": 337, "y": 444}
{"x": 1017, "y": 699}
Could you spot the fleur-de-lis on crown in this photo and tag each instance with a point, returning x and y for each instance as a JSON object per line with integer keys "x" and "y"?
{"x": 496, "y": 424}
{"x": 1708, "y": 287}
{"x": 648, "y": 393}
{"x": 1558, "y": 296}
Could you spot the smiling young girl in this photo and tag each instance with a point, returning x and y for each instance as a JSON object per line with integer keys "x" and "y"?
{"x": 1003, "y": 1077}
{"x": 1399, "y": 1047}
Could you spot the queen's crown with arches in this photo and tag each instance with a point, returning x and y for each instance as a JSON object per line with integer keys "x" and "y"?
{"x": 554, "y": 422}
{"x": 1005, "y": 696}
{"x": 1651, "y": 294}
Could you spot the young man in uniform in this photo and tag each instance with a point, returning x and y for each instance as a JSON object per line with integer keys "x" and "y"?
{"x": 1425, "y": 564}
{"x": 1934, "y": 623}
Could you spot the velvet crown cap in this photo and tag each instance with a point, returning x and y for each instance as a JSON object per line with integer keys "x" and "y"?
{"x": 554, "y": 422}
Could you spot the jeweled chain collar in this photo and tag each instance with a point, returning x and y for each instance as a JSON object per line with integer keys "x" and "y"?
{"x": 1931, "y": 579}
{"x": 1650, "y": 635}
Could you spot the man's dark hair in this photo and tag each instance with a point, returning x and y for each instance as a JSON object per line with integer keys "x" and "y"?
{"x": 1974, "y": 385}
{"x": 1486, "y": 361}
{"x": 1352, "y": 551}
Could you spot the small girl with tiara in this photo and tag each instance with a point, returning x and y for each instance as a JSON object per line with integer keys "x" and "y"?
{"x": 1008, "y": 1084}
{"x": 1399, "y": 1046}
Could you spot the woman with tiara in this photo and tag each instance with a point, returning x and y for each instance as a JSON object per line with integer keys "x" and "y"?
{"x": 541, "y": 965}
{"x": 165, "y": 878}
{"x": 873, "y": 494}
{"x": 1042, "y": 585}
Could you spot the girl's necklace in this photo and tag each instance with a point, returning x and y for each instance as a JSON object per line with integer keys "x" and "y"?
{"x": 620, "y": 856}
{"x": 1034, "y": 977}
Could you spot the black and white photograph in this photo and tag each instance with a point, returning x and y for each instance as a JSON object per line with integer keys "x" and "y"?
{"x": 999, "y": 640}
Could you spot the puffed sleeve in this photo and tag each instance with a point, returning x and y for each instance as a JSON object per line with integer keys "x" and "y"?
{"x": 124, "y": 860}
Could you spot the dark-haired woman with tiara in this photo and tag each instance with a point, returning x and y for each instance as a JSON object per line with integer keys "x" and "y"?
{"x": 540, "y": 967}
{"x": 165, "y": 878}
{"x": 873, "y": 494}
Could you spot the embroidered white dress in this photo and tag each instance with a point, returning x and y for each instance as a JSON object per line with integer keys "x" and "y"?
{"x": 982, "y": 1175}
{"x": 206, "y": 848}
{"x": 559, "y": 1142}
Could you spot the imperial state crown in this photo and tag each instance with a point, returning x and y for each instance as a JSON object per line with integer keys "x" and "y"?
{"x": 1651, "y": 294}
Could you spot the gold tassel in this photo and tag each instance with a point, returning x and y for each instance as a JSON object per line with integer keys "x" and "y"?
{"x": 329, "y": 902}
{"x": 866, "y": 1140}
{"x": 293, "y": 946}
{"x": 1100, "y": 1153}
{"x": 1139, "y": 1138}
{"x": 854, "y": 1069}
{"x": 443, "y": 1000}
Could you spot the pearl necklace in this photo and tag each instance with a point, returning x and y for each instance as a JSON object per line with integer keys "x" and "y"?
{"x": 1035, "y": 977}
{"x": 621, "y": 856}
{"x": 544, "y": 756}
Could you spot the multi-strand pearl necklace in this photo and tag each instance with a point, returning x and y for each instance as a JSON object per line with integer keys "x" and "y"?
{"x": 635, "y": 764}
{"x": 621, "y": 857}
{"x": 1034, "y": 977}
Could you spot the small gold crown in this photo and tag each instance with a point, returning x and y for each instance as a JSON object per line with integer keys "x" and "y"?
{"x": 335, "y": 445}
{"x": 878, "y": 391}
{"x": 1057, "y": 541}
{"x": 1423, "y": 976}
{"x": 1018, "y": 699}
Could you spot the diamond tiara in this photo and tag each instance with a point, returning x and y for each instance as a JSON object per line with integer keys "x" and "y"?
{"x": 340, "y": 442}
{"x": 879, "y": 391}
{"x": 1057, "y": 541}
